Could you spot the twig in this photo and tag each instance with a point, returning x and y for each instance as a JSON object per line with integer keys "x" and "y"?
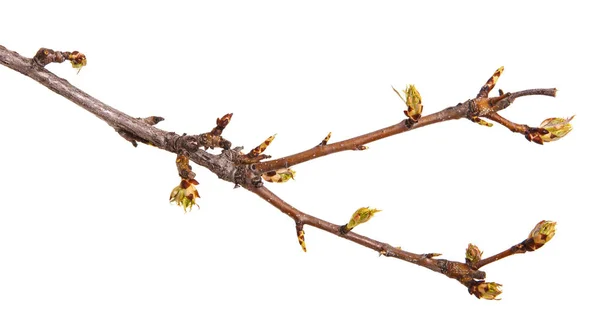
{"x": 462, "y": 110}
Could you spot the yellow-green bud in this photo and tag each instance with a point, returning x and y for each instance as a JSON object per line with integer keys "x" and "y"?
{"x": 185, "y": 194}
{"x": 362, "y": 215}
{"x": 412, "y": 99}
{"x": 542, "y": 233}
{"x": 557, "y": 128}
{"x": 488, "y": 290}
{"x": 473, "y": 254}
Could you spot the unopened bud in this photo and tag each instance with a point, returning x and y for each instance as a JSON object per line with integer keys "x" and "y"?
{"x": 412, "y": 99}
{"x": 542, "y": 233}
{"x": 473, "y": 254}
{"x": 487, "y": 290}
{"x": 362, "y": 215}
{"x": 557, "y": 128}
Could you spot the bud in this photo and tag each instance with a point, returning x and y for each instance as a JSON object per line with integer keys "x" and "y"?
{"x": 300, "y": 234}
{"x": 153, "y": 120}
{"x": 261, "y": 148}
{"x": 489, "y": 85}
{"x": 362, "y": 215}
{"x": 542, "y": 233}
{"x": 280, "y": 175}
{"x": 481, "y": 122}
{"x": 473, "y": 254}
{"x": 557, "y": 128}
{"x": 488, "y": 290}
{"x": 185, "y": 194}
{"x": 78, "y": 60}
{"x": 412, "y": 101}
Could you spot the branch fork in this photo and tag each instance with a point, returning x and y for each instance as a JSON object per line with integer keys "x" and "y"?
{"x": 251, "y": 169}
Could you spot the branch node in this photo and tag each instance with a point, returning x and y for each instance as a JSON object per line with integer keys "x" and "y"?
{"x": 325, "y": 140}
{"x": 45, "y": 56}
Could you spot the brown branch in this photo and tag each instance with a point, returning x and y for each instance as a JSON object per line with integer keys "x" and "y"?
{"x": 136, "y": 128}
{"x": 478, "y": 106}
{"x": 455, "y": 270}
{"x": 247, "y": 170}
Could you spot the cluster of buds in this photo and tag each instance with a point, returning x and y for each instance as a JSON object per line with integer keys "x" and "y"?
{"x": 486, "y": 290}
{"x": 551, "y": 129}
{"x": 362, "y": 215}
{"x": 78, "y": 60}
{"x": 279, "y": 176}
{"x": 541, "y": 234}
{"x": 412, "y": 99}
{"x": 185, "y": 194}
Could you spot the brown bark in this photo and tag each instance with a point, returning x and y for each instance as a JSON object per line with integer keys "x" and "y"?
{"x": 233, "y": 166}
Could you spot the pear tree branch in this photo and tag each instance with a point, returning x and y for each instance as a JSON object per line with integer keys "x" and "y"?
{"x": 249, "y": 170}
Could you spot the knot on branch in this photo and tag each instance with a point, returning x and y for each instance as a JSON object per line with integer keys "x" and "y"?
{"x": 182, "y": 143}
{"x": 462, "y": 272}
{"x": 209, "y": 140}
{"x": 247, "y": 176}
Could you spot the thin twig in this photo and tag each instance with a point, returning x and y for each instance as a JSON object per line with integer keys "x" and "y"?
{"x": 452, "y": 269}
{"x": 451, "y": 113}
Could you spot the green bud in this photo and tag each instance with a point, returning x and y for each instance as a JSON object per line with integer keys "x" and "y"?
{"x": 362, "y": 215}
{"x": 557, "y": 128}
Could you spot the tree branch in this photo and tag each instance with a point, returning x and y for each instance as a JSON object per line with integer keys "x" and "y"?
{"x": 485, "y": 107}
{"x": 248, "y": 170}
{"x": 456, "y": 270}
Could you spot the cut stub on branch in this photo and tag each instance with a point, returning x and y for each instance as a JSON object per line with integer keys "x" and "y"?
{"x": 45, "y": 56}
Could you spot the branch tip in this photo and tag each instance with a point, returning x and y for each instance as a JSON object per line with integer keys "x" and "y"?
{"x": 45, "y": 56}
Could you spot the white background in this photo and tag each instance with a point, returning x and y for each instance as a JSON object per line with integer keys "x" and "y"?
{"x": 89, "y": 244}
